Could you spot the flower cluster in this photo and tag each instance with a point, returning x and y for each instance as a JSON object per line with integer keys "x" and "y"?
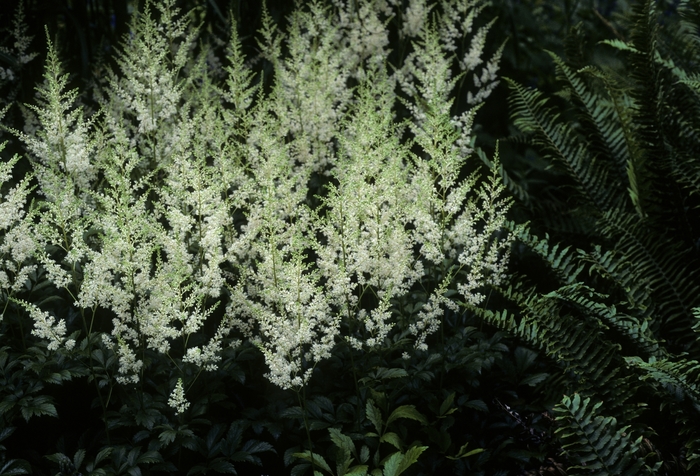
{"x": 17, "y": 245}
{"x": 295, "y": 219}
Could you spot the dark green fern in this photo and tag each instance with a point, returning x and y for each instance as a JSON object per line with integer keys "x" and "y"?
{"x": 621, "y": 225}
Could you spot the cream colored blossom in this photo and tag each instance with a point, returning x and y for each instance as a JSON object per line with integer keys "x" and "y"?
{"x": 177, "y": 398}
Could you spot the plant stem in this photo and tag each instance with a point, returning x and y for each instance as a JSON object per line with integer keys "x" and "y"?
{"x": 302, "y": 404}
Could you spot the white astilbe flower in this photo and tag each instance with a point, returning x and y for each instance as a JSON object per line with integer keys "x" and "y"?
{"x": 310, "y": 92}
{"x": 414, "y": 18}
{"x": 302, "y": 212}
{"x": 366, "y": 243}
{"x": 177, "y": 398}
{"x": 197, "y": 215}
{"x": 426, "y": 77}
{"x": 146, "y": 96}
{"x": 17, "y": 243}
{"x": 209, "y": 355}
{"x": 363, "y": 34}
{"x": 15, "y": 46}
{"x": 46, "y": 327}
{"x": 457, "y": 21}
{"x": 129, "y": 366}
{"x": 429, "y": 317}
{"x": 284, "y": 312}
{"x": 487, "y": 80}
{"x": 62, "y": 144}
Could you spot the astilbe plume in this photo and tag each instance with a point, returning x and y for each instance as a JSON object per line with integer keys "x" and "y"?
{"x": 301, "y": 212}
{"x": 17, "y": 246}
{"x": 15, "y": 50}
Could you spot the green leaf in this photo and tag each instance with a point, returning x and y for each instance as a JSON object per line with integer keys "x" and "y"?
{"x": 364, "y": 454}
{"x": 20, "y": 467}
{"x": 406, "y": 411}
{"x": 150, "y": 457}
{"x": 393, "y": 439}
{"x": 384, "y": 373}
{"x": 31, "y": 406}
{"x": 463, "y": 453}
{"x": 78, "y": 458}
{"x": 58, "y": 458}
{"x": 340, "y": 440}
{"x": 220, "y": 465}
{"x": 167, "y": 436}
{"x": 620, "y": 45}
{"x": 359, "y": 470}
{"x": 391, "y": 465}
{"x": 446, "y": 404}
{"x": 103, "y": 454}
{"x": 318, "y": 460}
{"x": 374, "y": 415}
{"x": 410, "y": 457}
{"x": 6, "y": 432}
{"x": 534, "y": 379}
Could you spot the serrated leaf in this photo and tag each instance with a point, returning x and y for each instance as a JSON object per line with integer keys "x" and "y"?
{"x": 104, "y": 453}
{"x": 38, "y": 407}
{"x": 78, "y": 458}
{"x": 533, "y": 380}
{"x": 479, "y": 405}
{"x": 374, "y": 415}
{"x": 54, "y": 378}
{"x": 384, "y": 373}
{"x": 6, "y": 432}
{"x": 317, "y": 459}
{"x": 391, "y": 465}
{"x": 406, "y": 411}
{"x": 620, "y": 45}
{"x": 134, "y": 471}
{"x": 300, "y": 469}
{"x": 359, "y": 470}
{"x": 7, "y": 404}
{"x": 22, "y": 467}
{"x": 410, "y": 457}
{"x": 245, "y": 457}
{"x": 463, "y": 453}
{"x": 393, "y": 439}
{"x": 343, "y": 442}
{"x": 58, "y": 458}
{"x": 255, "y": 446}
{"x": 220, "y": 465}
{"x": 293, "y": 412}
{"x": 150, "y": 457}
{"x": 364, "y": 454}
{"x": 447, "y": 404}
{"x": 324, "y": 403}
{"x": 167, "y": 436}
{"x": 198, "y": 469}
{"x": 318, "y": 425}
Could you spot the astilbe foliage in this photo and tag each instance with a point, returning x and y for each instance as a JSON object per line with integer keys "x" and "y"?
{"x": 186, "y": 218}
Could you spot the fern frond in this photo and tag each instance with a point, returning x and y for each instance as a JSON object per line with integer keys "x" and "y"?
{"x": 593, "y": 442}
{"x": 666, "y": 268}
{"x": 678, "y": 378}
{"x": 559, "y": 259}
{"x": 559, "y": 142}
{"x": 676, "y": 382}
{"x": 577, "y": 345}
{"x": 602, "y": 129}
